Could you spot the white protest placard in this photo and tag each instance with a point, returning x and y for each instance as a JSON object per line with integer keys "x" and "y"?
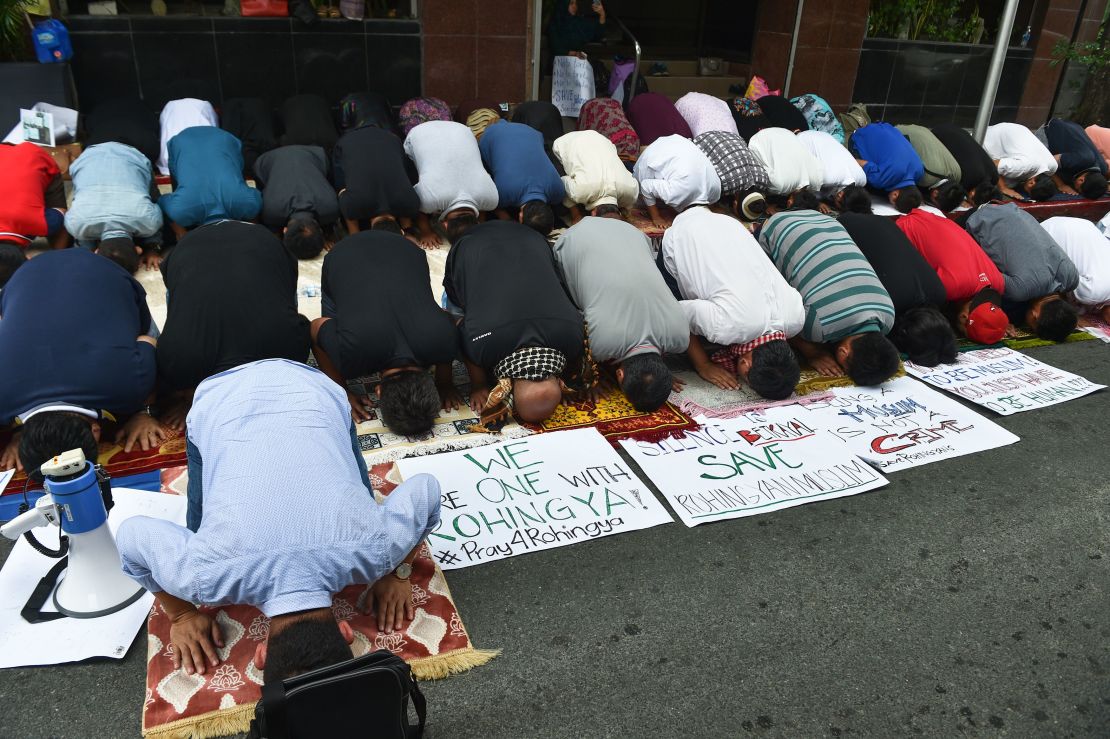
{"x": 897, "y": 425}
{"x": 6, "y": 477}
{"x": 727, "y": 469}
{"x": 524, "y": 495}
{"x": 1005, "y": 381}
{"x": 572, "y": 84}
{"x": 73, "y": 639}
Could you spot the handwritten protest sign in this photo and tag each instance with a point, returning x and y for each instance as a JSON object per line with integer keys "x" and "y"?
{"x": 572, "y": 84}
{"x": 1005, "y": 381}
{"x": 730, "y": 468}
{"x": 540, "y": 492}
{"x": 897, "y": 425}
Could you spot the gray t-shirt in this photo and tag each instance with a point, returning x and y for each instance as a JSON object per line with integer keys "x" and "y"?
{"x": 294, "y": 178}
{"x": 1033, "y": 264}
{"x": 607, "y": 267}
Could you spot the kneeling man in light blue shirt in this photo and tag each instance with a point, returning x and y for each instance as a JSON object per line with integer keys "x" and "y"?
{"x": 282, "y": 517}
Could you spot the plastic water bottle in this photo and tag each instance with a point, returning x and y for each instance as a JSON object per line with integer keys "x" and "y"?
{"x": 1026, "y": 36}
{"x": 309, "y": 291}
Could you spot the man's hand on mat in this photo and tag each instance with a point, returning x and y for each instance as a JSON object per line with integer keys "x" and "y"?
{"x": 360, "y": 406}
{"x": 195, "y": 638}
{"x": 1011, "y": 333}
{"x": 151, "y": 260}
{"x": 145, "y": 431}
{"x": 390, "y": 599}
{"x": 427, "y": 240}
{"x": 677, "y": 383}
{"x": 449, "y": 396}
{"x": 478, "y": 397}
{"x": 719, "y": 376}
{"x": 9, "y": 457}
{"x": 826, "y": 365}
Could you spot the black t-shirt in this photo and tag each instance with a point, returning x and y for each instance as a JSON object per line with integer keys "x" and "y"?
{"x": 232, "y": 299}
{"x": 125, "y": 121}
{"x": 307, "y": 119}
{"x": 70, "y": 320}
{"x": 1077, "y": 152}
{"x": 385, "y": 314}
{"x": 976, "y": 165}
{"x": 251, "y": 120}
{"x": 294, "y": 179}
{"x": 545, "y": 118}
{"x": 371, "y": 165}
{"x": 502, "y": 274}
{"x": 905, "y": 274}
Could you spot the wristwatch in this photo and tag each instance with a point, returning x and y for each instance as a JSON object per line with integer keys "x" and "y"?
{"x": 403, "y": 571}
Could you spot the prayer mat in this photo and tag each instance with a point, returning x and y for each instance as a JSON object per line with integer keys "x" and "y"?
{"x": 1025, "y": 340}
{"x": 1095, "y": 323}
{"x": 118, "y": 463}
{"x": 616, "y": 419}
{"x": 701, "y": 398}
{"x": 179, "y": 706}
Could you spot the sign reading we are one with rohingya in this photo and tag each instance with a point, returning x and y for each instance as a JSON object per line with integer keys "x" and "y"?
{"x": 540, "y": 492}
{"x": 731, "y": 468}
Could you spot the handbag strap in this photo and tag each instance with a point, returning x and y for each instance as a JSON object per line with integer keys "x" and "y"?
{"x": 274, "y": 710}
{"x": 32, "y": 611}
{"x": 421, "y": 706}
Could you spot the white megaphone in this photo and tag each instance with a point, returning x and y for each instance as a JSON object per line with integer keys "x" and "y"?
{"x": 94, "y": 584}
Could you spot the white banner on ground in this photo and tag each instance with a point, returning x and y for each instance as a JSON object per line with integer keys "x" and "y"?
{"x": 1005, "y": 381}
{"x": 897, "y": 425}
{"x": 73, "y": 639}
{"x": 572, "y": 84}
{"x": 541, "y": 492}
{"x": 727, "y": 469}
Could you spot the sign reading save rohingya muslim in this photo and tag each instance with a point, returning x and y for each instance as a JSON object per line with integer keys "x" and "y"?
{"x": 1005, "y": 381}
{"x": 540, "y": 492}
{"x": 731, "y": 468}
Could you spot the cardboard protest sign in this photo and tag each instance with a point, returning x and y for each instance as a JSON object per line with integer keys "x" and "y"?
{"x": 539, "y": 492}
{"x": 1005, "y": 381}
{"x": 730, "y": 468}
{"x": 897, "y": 425}
{"x": 572, "y": 84}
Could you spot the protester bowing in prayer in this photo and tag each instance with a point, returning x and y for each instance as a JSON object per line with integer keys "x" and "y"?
{"x": 890, "y": 163}
{"x": 297, "y": 199}
{"x": 674, "y": 171}
{"x": 1089, "y": 250}
{"x": 281, "y": 516}
{"x": 32, "y": 196}
{"x": 607, "y": 267}
{"x": 523, "y": 339}
{"x": 206, "y": 164}
{"x": 527, "y": 183}
{"x": 595, "y": 178}
{"x": 375, "y": 181}
{"x": 1082, "y": 169}
{"x": 395, "y": 329}
{"x": 1025, "y": 165}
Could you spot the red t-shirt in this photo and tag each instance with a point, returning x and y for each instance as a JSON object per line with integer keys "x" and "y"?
{"x": 963, "y": 266}
{"x": 26, "y": 170}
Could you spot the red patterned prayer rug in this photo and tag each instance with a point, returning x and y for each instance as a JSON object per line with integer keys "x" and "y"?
{"x": 170, "y": 454}
{"x": 616, "y": 419}
{"x": 219, "y": 703}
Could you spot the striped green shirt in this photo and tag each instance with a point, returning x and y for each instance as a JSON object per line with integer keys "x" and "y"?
{"x": 840, "y": 290}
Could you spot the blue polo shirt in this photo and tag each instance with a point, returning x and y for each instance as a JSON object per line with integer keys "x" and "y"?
{"x": 68, "y": 324}
{"x": 891, "y": 160}
{"x": 206, "y": 164}
{"x": 1077, "y": 152}
{"x": 514, "y": 155}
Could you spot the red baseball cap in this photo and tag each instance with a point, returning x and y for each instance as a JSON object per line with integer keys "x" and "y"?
{"x": 986, "y": 321}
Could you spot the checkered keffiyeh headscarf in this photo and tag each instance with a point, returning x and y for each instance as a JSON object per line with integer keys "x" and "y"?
{"x": 729, "y": 357}
{"x": 532, "y": 363}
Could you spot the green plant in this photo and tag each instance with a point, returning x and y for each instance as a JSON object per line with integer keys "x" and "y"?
{"x": 14, "y": 32}
{"x": 923, "y": 20}
{"x": 1094, "y": 106}
{"x": 1091, "y": 54}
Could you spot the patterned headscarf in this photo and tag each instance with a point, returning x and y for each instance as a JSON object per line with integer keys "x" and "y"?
{"x": 481, "y": 119}
{"x": 606, "y": 116}
{"x": 419, "y": 110}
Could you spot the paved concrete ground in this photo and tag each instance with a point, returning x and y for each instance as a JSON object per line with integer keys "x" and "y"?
{"x": 968, "y": 597}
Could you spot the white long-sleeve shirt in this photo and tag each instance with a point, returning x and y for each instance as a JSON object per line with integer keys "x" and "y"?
{"x": 1020, "y": 155}
{"x": 595, "y": 175}
{"x": 732, "y": 293}
{"x": 1089, "y": 250}
{"x": 178, "y": 115}
{"x": 675, "y": 172}
{"x": 789, "y": 164}
{"x": 839, "y": 168}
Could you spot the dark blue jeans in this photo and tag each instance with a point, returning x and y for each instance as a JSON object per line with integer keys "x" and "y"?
{"x": 194, "y": 491}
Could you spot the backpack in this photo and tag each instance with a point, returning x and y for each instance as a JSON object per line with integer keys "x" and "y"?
{"x": 819, "y": 114}
{"x": 51, "y": 42}
{"x": 855, "y": 117}
{"x": 367, "y": 696}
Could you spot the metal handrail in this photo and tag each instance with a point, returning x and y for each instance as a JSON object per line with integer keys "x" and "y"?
{"x": 635, "y": 69}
